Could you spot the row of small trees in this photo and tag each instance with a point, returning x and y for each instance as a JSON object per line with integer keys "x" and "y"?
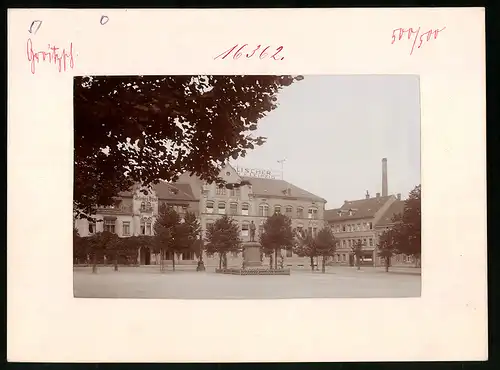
{"x": 223, "y": 238}
{"x": 404, "y": 237}
{"x": 172, "y": 233}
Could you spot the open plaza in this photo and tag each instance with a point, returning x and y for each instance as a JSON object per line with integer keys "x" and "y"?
{"x": 184, "y": 283}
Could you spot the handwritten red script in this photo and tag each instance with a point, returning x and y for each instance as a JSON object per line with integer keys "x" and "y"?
{"x": 400, "y": 33}
{"x": 252, "y": 51}
{"x": 52, "y": 55}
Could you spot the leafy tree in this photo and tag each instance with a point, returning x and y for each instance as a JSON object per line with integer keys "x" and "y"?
{"x": 79, "y": 247}
{"x": 277, "y": 234}
{"x": 357, "y": 250}
{"x": 305, "y": 246}
{"x": 325, "y": 245}
{"x": 170, "y": 234}
{"x": 140, "y": 129}
{"x": 102, "y": 244}
{"x": 388, "y": 245}
{"x": 222, "y": 238}
{"x": 409, "y": 233}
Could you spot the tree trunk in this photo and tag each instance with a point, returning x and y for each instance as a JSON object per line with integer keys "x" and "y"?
{"x": 271, "y": 261}
{"x": 94, "y": 264}
{"x": 312, "y": 263}
{"x": 116, "y": 263}
{"x": 162, "y": 267}
{"x": 220, "y": 260}
{"x": 173, "y": 261}
{"x": 387, "y": 262}
{"x": 224, "y": 259}
{"x": 276, "y": 259}
{"x": 323, "y": 265}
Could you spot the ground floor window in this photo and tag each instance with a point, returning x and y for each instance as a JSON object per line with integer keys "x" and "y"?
{"x": 126, "y": 228}
{"x": 109, "y": 225}
{"x": 289, "y": 252}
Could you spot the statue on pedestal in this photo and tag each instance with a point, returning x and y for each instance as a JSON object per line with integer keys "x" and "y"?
{"x": 252, "y": 231}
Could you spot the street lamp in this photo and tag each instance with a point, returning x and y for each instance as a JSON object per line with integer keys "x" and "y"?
{"x": 201, "y": 264}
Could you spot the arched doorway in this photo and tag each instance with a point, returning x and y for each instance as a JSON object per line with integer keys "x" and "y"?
{"x": 145, "y": 256}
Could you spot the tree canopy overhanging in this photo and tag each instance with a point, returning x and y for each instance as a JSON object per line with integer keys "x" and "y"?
{"x": 142, "y": 129}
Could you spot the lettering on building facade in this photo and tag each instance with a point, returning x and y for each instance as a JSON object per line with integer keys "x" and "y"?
{"x": 257, "y": 172}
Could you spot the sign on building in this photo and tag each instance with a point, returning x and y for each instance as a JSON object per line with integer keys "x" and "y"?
{"x": 257, "y": 172}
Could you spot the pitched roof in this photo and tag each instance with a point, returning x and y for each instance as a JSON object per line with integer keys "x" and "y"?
{"x": 398, "y": 206}
{"x": 166, "y": 191}
{"x": 278, "y": 188}
{"x": 361, "y": 208}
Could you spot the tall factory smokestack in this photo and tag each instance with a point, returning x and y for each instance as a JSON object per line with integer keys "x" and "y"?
{"x": 385, "y": 191}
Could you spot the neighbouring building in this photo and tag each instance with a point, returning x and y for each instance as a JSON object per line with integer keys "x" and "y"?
{"x": 134, "y": 213}
{"x": 356, "y": 221}
{"x": 364, "y": 220}
{"x": 254, "y": 203}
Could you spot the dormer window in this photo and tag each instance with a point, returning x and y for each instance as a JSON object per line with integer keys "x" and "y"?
{"x": 313, "y": 213}
{"x": 350, "y": 212}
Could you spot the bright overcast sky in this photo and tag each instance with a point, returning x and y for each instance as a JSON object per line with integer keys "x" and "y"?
{"x": 335, "y": 130}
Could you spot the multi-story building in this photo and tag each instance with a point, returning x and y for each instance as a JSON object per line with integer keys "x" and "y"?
{"x": 134, "y": 213}
{"x": 356, "y": 221}
{"x": 364, "y": 220}
{"x": 254, "y": 203}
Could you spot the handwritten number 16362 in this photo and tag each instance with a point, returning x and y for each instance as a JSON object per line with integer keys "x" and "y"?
{"x": 239, "y": 50}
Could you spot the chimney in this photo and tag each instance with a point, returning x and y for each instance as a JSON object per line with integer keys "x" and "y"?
{"x": 378, "y": 195}
{"x": 367, "y": 195}
{"x": 384, "y": 177}
{"x": 399, "y": 196}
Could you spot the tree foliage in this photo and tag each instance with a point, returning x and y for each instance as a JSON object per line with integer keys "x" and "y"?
{"x": 102, "y": 244}
{"x": 409, "y": 225}
{"x": 277, "y": 234}
{"x": 357, "y": 250}
{"x": 305, "y": 246}
{"x": 325, "y": 245}
{"x": 174, "y": 234}
{"x": 223, "y": 237}
{"x": 388, "y": 245}
{"x": 140, "y": 129}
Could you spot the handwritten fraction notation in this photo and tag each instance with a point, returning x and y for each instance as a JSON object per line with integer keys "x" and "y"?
{"x": 399, "y": 33}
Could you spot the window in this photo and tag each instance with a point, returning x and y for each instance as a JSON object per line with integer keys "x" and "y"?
{"x": 263, "y": 210}
{"x": 343, "y": 227}
{"x": 244, "y": 209}
{"x": 371, "y": 242}
{"x": 371, "y": 225}
{"x": 221, "y": 208}
{"x": 232, "y": 193}
{"x": 210, "y": 207}
{"x": 233, "y": 208}
{"x": 277, "y": 209}
{"x": 143, "y": 206}
{"x": 289, "y": 252}
{"x": 313, "y": 213}
{"x": 220, "y": 191}
{"x": 238, "y": 192}
{"x": 300, "y": 229}
{"x": 344, "y": 243}
{"x": 126, "y": 228}
{"x": 344, "y": 258}
{"x": 245, "y": 227}
{"x": 148, "y": 206}
{"x": 310, "y": 230}
{"x": 364, "y": 242}
{"x": 300, "y": 212}
{"x": 288, "y": 211}
{"x": 350, "y": 243}
{"x": 261, "y": 228}
{"x": 109, "y": 225}
{"x": 91, "y": 227}
{"x": 145, "y": 228}
{"x": 188, "y": 256}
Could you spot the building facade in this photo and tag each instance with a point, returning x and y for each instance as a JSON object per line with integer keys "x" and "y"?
{"x": 254, "y": 203}
{"x": 134, "y": 214}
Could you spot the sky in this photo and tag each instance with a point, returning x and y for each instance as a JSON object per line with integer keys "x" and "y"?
{"x": 334, "y": 131}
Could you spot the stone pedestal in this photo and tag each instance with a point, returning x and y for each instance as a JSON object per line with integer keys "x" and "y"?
{"x": 251, "y": 254}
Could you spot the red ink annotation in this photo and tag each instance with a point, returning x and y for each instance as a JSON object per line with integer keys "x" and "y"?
{"x": 62, "y": 59}
{"x": 399, "y": 33}
{"x": 260, "y": 51}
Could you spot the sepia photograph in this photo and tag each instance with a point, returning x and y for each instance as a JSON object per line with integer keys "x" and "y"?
{"x": 247, "y": 187}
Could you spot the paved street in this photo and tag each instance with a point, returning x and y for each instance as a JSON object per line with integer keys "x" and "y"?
{"x": 337, "y": 282}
